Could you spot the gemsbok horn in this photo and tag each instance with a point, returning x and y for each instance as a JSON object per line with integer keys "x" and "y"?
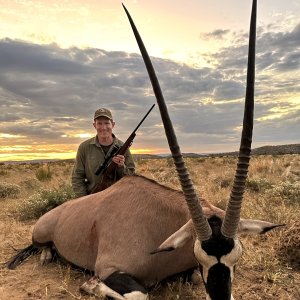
{"x": 216, "y": 249}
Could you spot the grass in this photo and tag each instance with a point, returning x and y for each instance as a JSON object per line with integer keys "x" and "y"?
{"x": 43, "y": 173}
{"x": 268, "y": 270}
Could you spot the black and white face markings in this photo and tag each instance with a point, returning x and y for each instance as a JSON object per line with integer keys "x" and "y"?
{"x": 217, "y": 258}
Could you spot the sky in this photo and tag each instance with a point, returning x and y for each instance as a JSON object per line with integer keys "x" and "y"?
{"x": 62, "y": 60}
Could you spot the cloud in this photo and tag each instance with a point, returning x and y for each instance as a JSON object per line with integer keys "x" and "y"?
{"x": 31, "y": 58}
{"x": 50, "y": 94}
{"x": 280, "y": 50}
{"x": 9, "y": 118}
{"x": 216, "y": 34}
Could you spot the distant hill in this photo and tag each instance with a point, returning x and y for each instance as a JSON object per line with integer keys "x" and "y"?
{"x": 267, "y": 150}
{"x": 264, "y": 150}
{"x": 147, "y": 156}
{"x": 277, "y": 150}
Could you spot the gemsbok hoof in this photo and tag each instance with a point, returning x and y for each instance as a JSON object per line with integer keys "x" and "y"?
{"x": 46, "y": 256}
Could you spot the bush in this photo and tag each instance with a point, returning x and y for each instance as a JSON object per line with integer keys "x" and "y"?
{"x": 3, "y": 172}
{"x": 288, "y": 191}
{"x": 30, "y": 183}
{"x": 170, "y": 162}
{"x": 223, "y": 181}
{"x": 9, "y": 190}
{"x": 43, "y": 201}
{"x": 289, "y": 246}
{"x": 258, "y": 184}
{"x": 43, "y": 173}
{"x": 142, "y": 162}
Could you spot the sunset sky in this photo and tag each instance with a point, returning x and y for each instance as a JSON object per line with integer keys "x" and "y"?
{"x": 62, "y": 60}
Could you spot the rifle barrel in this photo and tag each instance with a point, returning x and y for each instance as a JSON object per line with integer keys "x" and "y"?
{"x": 137, "y": 127}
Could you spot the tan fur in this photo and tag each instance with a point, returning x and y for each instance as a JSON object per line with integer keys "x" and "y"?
{"x": 116, "y": 229}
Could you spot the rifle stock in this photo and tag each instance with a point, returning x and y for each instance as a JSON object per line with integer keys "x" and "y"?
{"x": 107, "y": 171}
{"x": 112, "y": 166}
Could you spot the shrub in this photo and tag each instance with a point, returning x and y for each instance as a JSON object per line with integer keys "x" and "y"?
{"x": 9, "y": 190}
{"x": 223, "y": 181}
{"x": 258, "y": 184}
{"x": 67, "y": 171}
{"x": 30, "y": 183}
{"x": 170, "y": 162}
{"x": 3, "y": 172}
{"x": 288, "y": 191}
{"x": 289, "y": 246}
{"x": 43, "y": 173}
{"x": 200, "y": 160}
{"x": 141, "y": 162}
{"x": 43, "y": 201}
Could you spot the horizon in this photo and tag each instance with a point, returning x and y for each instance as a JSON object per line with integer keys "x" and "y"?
{"x": 162, "y": 155}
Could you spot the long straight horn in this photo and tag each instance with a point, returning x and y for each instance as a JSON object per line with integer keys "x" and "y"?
{"x": 202, "y": 227}
{"x": 232, "y": 217}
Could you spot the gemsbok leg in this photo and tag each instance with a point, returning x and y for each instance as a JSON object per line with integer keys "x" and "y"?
{"x": 118, "y": 285}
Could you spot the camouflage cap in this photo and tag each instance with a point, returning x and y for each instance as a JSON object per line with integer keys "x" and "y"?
{"x": 103, "y": 112}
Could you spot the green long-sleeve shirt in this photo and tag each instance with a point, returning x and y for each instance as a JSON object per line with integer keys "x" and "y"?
{"x": 89, "y": 157}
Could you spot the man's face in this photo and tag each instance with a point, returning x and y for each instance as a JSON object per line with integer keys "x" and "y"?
{"x": 104, "y": 127}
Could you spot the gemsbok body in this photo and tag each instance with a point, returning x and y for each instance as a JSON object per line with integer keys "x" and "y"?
{"x": 138, "y": 232}
{"x": 112, "y": 233}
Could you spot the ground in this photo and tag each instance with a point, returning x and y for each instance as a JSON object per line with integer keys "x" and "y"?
{"x": 265, "y": 272}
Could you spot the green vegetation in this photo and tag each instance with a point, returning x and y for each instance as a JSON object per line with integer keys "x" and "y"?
{"x": 258, "y": 184}
{"x": 288, "y": 191}
{"x": 43, "y": 201}
{"x": 9, "y": 190}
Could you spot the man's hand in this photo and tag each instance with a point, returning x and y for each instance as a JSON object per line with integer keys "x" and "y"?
{"x": 119, "y": 160}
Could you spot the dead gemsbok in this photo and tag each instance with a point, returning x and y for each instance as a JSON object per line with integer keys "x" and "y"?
{"x": 113, "y": 232}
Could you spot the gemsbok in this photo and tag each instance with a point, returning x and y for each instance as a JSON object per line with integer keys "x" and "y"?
{"x": 138, "y": 232}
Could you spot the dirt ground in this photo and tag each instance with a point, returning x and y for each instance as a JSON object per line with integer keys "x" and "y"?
{"x": 260, "y": 274}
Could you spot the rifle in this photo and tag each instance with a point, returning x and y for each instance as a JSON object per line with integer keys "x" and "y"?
{"x": 108, "y": 165}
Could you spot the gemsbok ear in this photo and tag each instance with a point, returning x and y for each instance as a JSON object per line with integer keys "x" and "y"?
{"x": 178, "y": 239}
{"x": 249, "y": 226}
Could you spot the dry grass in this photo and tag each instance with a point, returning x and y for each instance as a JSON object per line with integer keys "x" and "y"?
{"x": 269, "y": 268}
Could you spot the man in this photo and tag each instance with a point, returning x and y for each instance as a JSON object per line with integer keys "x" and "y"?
{"x": 92, "y": 153}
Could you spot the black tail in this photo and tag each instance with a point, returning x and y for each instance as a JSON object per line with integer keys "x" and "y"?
{"x": 21, "y": 256}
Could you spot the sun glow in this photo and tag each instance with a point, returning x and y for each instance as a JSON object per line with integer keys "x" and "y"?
{"x": 36, "y": 156}
{"x": 143, "y": 151}
{"x": 37, "y": 152}
{"x": 53, "y": 151}
{"x": 78, "y": 135}
{"x": 10, "y": 136}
